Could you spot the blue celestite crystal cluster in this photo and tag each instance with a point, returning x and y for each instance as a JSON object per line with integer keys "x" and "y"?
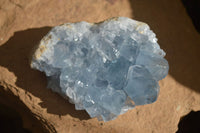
{"x": 105, "y": 68}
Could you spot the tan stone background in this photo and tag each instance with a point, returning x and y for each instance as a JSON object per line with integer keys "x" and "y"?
{"x": 24, "y": 22}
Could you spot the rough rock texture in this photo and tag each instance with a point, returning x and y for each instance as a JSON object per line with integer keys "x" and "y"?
{"x": 179, "y": 91}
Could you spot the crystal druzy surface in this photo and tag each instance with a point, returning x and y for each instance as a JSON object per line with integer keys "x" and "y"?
{"x": 105, "y": 68}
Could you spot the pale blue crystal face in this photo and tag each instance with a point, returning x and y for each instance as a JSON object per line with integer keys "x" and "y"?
{"x": 105, "y": 68}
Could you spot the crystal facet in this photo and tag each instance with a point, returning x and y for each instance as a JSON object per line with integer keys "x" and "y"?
{"x": 105, "y": 68}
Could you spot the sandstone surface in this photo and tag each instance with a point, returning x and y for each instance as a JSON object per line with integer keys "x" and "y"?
{"x": 23, "y": 23}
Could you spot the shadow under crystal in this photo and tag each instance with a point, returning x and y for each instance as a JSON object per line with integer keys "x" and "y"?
{"x": 15, "y": 55}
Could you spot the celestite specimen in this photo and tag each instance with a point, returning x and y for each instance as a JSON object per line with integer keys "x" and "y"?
{"x": 105, "y": 68}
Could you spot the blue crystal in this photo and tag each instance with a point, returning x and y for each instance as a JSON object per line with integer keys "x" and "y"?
{"x": 141, "y": 87}
{"x": 105, "y": 68}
